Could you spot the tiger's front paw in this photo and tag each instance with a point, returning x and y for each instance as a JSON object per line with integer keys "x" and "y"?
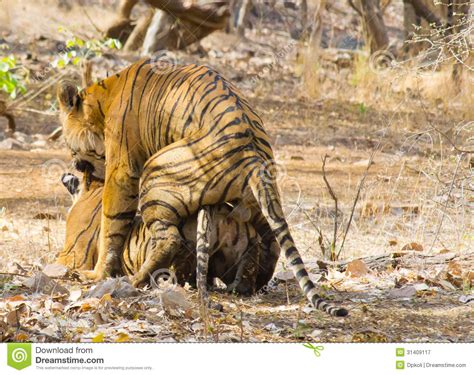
{"x": 113, "y": 268}
{"x": 87, "y": 275}
{"x": 93, "y": 276}
{"x": 138, "y": 280}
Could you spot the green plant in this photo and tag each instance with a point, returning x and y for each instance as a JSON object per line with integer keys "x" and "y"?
{"x": 362, "y": 108}
{"x": 78, "y": 49}
{"x": 13, "y": 77}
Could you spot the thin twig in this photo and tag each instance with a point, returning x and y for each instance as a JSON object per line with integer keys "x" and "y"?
{"x": 45, "y": 113}
{"x": 321, "y": 236}
{"x": 333, "y": 196}
{"x": 101, "y": 32}
{"x": 356, "y": 199}
{"x": 460, "y": 156}
{"x": 12, "y": 274}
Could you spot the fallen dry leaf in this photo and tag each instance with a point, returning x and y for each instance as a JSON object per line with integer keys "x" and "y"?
{"x": 75, "y": 295}
{"x": 413, "y": 246}
{"x": 13, "y": 318}
{"x": 40, "y": 283}
{"x": 466, "y": 299}
{"x": 22, "y": 337}
{"x": 357, "y": 268}
{"x": 454, "y": 268}
{"x": 122, "y": 337}
{"x": 99, "y": 338}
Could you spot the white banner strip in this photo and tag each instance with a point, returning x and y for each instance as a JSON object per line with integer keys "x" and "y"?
{"x": 237, "y": 359}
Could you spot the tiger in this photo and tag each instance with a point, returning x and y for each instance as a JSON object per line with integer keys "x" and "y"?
{"x": 234, "y": 245}
{"x": 207, "y": 146}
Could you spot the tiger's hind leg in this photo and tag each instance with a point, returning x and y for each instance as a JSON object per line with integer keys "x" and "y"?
{"x": 166, "y": 242}
{"x": 269, "y": 251}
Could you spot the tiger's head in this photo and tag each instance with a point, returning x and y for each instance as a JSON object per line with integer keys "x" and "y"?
{"x": 82, "y": 118}
{"x": 82, "y": 223}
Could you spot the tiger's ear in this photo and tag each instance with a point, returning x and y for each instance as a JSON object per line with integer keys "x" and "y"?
{"x": 241, "y": 213}
{"x": 70, "y": 182}
{"x": 67, "y": 95}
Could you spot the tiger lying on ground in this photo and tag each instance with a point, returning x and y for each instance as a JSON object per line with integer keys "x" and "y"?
{"x": 207, "y": 146}
{"x": 234, "y": 244}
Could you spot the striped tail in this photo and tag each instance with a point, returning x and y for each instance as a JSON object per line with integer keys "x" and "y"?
{"x": 266, "y": 194}
{"x": 202, "y": 253}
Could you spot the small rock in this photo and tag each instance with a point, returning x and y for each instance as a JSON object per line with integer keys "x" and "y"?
{"x": 285, "y": 275}
{"x": 21, "y": 137}
{"x": 316, "y": 333}
{"x": 39, "y": 144}
{"x": 271, "y": 327}
{"x": 12, "y": 144}
{"x": 421, "y": 286}
{"x": 172, "y": 300}
{"x": 55, "y": 270}
{"x": 217, "y": 306}
{"x": 405, "y": 292}
{"x": 117, "y": 288}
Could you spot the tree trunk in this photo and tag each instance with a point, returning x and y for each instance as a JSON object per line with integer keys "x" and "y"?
{"x": 375, "y": 32}
{"x": 137, "y": 37}
{"x": 177, "y": 23}
{"x": 424, "y": 11}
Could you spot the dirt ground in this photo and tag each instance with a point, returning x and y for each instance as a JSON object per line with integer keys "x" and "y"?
{"x": 407, "y": 198}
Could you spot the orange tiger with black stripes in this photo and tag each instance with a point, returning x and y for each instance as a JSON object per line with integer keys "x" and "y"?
{"x": 207, "y": 147}
{"x": 234, "y": 248}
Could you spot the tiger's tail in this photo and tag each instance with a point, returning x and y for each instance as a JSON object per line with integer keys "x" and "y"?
{"x": 202, "y": 262}
{"x": 266, "y": 194}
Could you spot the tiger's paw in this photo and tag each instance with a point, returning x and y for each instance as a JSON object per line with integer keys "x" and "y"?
{"x": 92, "y": 276}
